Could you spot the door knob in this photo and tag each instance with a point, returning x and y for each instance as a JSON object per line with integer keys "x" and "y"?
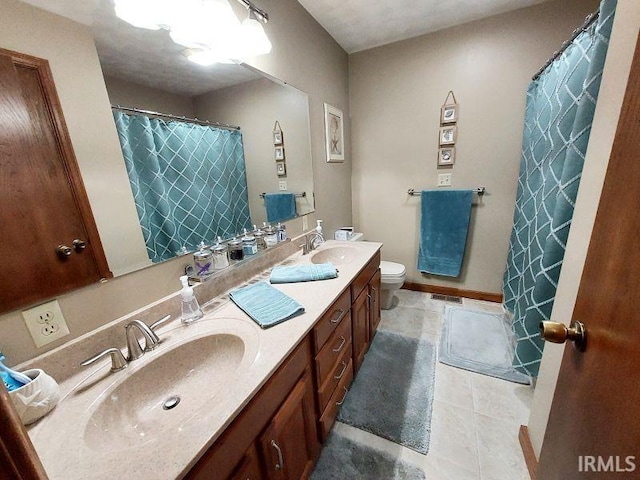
{"x": 79, "y": 245}
{"x": 63, "y": 251}
{"x": 559, "y": 333}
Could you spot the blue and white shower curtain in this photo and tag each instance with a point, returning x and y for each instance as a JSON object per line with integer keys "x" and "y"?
{"x": 558, "y": 118}
{"x": 189, "y": 181}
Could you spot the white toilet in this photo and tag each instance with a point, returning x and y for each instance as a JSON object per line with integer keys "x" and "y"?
{"x": 393, "y": 275}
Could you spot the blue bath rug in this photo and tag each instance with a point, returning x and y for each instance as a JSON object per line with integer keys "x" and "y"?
{"x": 392, "y": 395}
{"x": 343, "y": 459}
{"x": 479, "y": 341}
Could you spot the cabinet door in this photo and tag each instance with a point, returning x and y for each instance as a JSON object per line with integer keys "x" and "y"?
{"x": 44, "y": 204}
{"x": 374, "y": 299}
{"x": 290, "y": 444}
{"x": 249, "y": 468}
{"x": 360, "y": 322}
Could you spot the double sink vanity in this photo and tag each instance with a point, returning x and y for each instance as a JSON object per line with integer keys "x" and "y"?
{"x": 221, "y": 398}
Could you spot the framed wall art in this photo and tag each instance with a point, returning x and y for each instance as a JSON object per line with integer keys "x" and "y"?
{"x": 281, "y": 169}
{"x": 448, "y": 135}
{"x": 279, "y": 153}
{"x": 446, "y": 156}
{"x": 277, "y": 134}
{"x": 334, "y": 133}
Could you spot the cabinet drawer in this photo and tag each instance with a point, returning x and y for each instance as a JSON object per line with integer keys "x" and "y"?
{"x": 336, "y": 315}
{"x": 328, "y": 418}
{"x": 361, "y": 281}
{"x": 333, "y": 350}
{"x": 326, "y": 389}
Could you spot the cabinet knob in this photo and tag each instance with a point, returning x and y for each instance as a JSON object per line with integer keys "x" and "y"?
{"x": 79, "y": 245}
{"x": 63, "y": 251}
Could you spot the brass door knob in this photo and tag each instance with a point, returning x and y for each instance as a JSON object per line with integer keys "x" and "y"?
{"x": 63, "y": 251}
{"x": 79, "y": 245}
{"x": 559, "y": 333}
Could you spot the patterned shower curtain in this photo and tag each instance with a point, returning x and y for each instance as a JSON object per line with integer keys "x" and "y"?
{"x": 189, "y": 182}
{"x": 558, "y": 118}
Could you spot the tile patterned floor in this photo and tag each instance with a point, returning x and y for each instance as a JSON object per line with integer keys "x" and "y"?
{"x": 475, "y": 423}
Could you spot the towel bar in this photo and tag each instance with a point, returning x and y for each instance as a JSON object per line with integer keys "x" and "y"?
{"x": 480, "y": 191}
{"x": 303, "y": 194}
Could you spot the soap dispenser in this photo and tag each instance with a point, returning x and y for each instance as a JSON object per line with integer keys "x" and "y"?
{"x": 191, "y": 310}
{"x": 319, "y": 226}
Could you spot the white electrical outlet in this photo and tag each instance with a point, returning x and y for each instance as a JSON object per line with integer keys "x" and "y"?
{"x": 282, "y": 185}
{"x": 444, "y": 179}
{"x": 46, "y": 323}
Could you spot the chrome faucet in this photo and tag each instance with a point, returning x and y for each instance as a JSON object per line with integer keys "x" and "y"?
{"x": 311, "y": 242}
{"x": 133, "y": 344}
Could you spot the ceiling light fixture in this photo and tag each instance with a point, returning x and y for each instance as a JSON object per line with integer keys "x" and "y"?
{"x": 208, "y": 27}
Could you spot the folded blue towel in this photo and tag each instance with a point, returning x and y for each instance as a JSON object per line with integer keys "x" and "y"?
{"x": 280, "y": 206}
{"x": 266, "y": 305}
{"x": 444, "y": 223}
{"x": 303, "y": 273}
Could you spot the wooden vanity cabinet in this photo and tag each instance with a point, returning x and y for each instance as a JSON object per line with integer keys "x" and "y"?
{"x": 365, "y": 310}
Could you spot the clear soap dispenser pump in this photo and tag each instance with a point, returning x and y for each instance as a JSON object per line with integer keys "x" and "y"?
{"x": 191, "y": 310}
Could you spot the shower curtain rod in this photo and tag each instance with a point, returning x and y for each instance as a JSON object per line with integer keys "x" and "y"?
{"x": 175, "y": 117}
{"x": 587, "y": 22}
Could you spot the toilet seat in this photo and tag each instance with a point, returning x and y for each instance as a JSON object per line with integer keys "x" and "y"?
{"x": 391, "y": 271}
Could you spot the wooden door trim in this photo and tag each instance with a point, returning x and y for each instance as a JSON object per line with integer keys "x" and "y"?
{"x": 454, "y": 292}
{"x": 54, "y": 108}
{"x": 527, "y": 450}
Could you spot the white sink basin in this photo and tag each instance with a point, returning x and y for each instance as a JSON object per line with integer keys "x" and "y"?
{"x": 336, "y": 255}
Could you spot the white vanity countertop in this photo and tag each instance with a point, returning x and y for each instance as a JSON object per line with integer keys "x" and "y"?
{"x": 83, "y": 439}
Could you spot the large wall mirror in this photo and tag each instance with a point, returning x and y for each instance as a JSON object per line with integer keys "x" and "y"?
{"x": 145, "y": 70}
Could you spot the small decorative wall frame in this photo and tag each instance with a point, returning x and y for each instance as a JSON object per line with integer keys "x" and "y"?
{"x": 449, "y": 110}
{"x": 334, "y": 133}
{"x": 277, "y": 134}
{"x": 279, "y": 153}
{"x": 446, "y": 156}
{"x": 448, "y": 135}
{"x": 281, "y": 169}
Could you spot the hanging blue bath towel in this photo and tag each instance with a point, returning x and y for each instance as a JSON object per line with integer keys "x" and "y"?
{"x": 444, "y": 223}
{"x": 280, "y": 206}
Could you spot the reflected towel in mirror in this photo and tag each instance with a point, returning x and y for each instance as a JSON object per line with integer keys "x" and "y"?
{"x": 280, "y": 206}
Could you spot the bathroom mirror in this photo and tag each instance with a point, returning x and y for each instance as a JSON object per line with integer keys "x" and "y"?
{"x": 144, "y": 69}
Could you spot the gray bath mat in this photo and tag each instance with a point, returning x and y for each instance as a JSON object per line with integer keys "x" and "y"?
{"x": 479, "y": 341}
{"x": 343, "y": 459}
{"x": 392, "y": 395}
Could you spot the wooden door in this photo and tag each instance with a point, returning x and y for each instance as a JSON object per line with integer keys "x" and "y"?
{"x": 594, "y": 425}
{"x": 374, "y": 299}
{"x": 360, "y": 324}
{"x": 44, "y": 203}
{"x": 290, "y": 444}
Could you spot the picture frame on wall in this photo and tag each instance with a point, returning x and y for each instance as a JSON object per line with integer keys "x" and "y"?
{"x": 334, "y": 133}
{"x": 446, "y": 156}
{"x": 448, "y": 135}
{"x": 449, "y": 114}
{"x": 277, "y": 138}
{"x": 281, "y": 169}
{"x": 279, "y": 153}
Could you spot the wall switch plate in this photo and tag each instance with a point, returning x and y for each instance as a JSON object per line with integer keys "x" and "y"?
{"x": 282, "y": 185}
{"x": 46, "y": 323}
{"x": 444, "y": 179}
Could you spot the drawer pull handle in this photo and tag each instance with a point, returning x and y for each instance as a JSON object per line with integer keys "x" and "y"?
{"x": 343, "y": 397}
{"x": 344, "y": 368}
{"x": 337, "y": 319}
{"x": 280, "y": 464}
{"x": 344, "y": 340}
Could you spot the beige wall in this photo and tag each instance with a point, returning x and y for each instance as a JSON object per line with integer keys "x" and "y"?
{"x": 256, "y": 106}
{"x": 614, "y": 81}
{"x": 396, "y": 92}
{"x": 129, "y": 94}
{"x": 304, "y": 55}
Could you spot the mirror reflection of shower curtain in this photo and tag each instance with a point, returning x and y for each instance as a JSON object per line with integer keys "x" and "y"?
{"x": 188, "y": 181}
{"x": 559, "y": 113}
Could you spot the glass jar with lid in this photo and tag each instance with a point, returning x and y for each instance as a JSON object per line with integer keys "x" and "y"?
{"x": 235, "y": 249}
{"x": 271, "y": 236}
{"x": 249, "y": 245}
{"x": 260, "y": 238}
{"x": 220, "y": 255}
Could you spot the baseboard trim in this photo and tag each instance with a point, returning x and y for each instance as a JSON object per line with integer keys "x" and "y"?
{"x": 455, "y": 292}
{"x": 527, "y": 451}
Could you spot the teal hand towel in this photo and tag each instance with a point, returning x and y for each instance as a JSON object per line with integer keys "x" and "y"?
{"x": 303, "y": 273}
{"x": 444, "y": 224}
{"x": 266, "y": 305}
{"x": 280, "y": 206}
